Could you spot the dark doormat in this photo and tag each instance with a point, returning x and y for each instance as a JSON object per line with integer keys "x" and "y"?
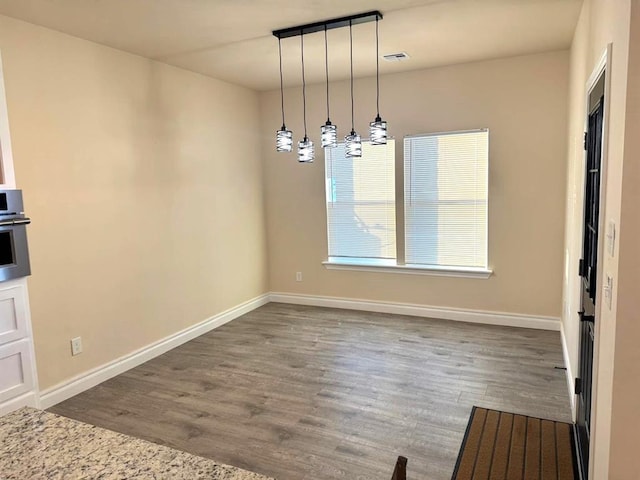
{"x": 504, "y": 446}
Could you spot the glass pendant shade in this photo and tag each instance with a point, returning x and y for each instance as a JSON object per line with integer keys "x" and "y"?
{"x": 306, "y": 152}
{"x": 284, "y": 140}
{"x": 378, "y": 131}
{"x": 329, "y": 135}
{"x": 353, "y": 145}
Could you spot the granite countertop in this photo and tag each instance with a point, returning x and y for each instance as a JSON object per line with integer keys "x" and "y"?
{"x": 39, "y": 445}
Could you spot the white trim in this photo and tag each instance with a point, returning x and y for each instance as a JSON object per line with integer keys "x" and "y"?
{"x": 29, "y": 399}
{"x": 87, "y": 380}
{"x": 445, "y": 313}
{"x": 32, "y": 350}
{"x": 434, "y": 270}
{"x": 597, "y": 72}
{"x": 603, "y": 67}
{"x": 569, "y": 372}
{"x": 7, "y": 176}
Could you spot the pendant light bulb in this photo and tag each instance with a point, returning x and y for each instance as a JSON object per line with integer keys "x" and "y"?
{"x": 329, "y": 135}
{"x": 284, "y": 140}
{"x": 306, "y": 150}
{"x": 353, "y": 145}
{"x": 352, "y": 142}
{"x": 284, "y": 137}
{"x": 328, "y": 132}
{"x": 378, "y": 131}
{"x": 378, "y": 128}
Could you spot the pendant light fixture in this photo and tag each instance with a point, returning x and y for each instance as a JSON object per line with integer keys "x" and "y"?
{"x": 352, "y": 142}
{"x": 378, "y": 128}
{"x": 306, "y": 151}
{"x": 329, "y": 132}
{"x": 284, "y": 137}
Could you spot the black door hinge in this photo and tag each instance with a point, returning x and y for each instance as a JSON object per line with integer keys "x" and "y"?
{"x": 581, "y": 267}
{"x": 578, "y": 386}
{"x": 586, "y": 318}
{"x": 584, "y": 144}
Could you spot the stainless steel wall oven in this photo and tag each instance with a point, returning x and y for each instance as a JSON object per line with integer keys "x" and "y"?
{"x": 14, "y": 251}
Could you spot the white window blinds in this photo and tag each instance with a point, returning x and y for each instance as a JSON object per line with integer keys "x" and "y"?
{"x": 360, "y": 193}
{"x": 446, "y": 189}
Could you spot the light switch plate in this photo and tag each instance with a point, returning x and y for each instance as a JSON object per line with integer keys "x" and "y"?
{"x": 611, "y": 237}
{"x": 608, "y": 291}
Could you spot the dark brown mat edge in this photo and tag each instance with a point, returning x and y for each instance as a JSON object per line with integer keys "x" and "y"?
{"x": 464, "y": 442}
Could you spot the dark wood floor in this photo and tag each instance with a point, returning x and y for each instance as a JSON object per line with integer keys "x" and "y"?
{"x": 300, "y": 392}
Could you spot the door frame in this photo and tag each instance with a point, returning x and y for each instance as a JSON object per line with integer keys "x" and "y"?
{"x": 602, "y": 67}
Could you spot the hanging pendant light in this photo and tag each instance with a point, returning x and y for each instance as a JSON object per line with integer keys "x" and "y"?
{"x": 378, "y": 128}
{"x": 329, "y": 132}
{"x": 352, "y": 142}
{"x": 306, "y": 152}
{"x": 284, "y": 137}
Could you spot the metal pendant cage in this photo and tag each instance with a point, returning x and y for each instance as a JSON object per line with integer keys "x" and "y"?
{"x": 306, "y": 151}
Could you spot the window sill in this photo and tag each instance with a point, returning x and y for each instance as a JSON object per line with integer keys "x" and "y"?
{"x": 389, "y": 266}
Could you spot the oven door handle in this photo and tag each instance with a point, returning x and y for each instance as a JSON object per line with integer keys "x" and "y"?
{"x": 18, "y": 221}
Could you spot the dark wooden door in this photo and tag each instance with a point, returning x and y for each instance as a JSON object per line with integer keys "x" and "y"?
{"x": 588, "y": 269}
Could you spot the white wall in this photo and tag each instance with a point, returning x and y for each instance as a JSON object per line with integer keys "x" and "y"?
{"x": 522, "y": 100}
{"x": 601, "y": 22}
{"x": 146, "y": 219}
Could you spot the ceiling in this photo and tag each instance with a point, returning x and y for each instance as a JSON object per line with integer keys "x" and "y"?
{"x": 231, "y": 39}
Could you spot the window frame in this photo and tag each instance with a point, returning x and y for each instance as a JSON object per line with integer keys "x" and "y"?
{"x": 397, "y": 265}
{"x": 371, "y": 261}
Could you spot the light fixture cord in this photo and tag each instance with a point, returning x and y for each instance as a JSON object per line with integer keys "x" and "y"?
{"x": 326, "y": 67}
{"x": 304, "y": 87}
{"x": 377, "y": 72}
{"x": 351, "y": 57}
{"x": 281, "y": 84}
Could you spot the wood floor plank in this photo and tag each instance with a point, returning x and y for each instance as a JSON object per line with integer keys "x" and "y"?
{"x": 298, "y": 392}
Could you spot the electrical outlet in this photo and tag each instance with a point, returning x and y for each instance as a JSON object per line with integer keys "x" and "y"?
{"x": 76, "y": 346}
{"x": 298, "y": 276}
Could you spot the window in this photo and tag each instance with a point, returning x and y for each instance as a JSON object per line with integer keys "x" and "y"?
{"x": 445, "y": 206}
{"x": 361, "y": 214}
{"x": 446, "y": 190}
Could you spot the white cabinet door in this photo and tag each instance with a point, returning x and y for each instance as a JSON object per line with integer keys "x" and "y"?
{"x": 16, "y": 375}
{"x": 13, "y": 315}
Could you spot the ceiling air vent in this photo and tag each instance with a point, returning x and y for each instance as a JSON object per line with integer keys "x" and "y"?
{"x": 396, "y": 57}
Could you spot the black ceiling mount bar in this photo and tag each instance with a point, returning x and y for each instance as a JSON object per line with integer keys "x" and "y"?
{"x": 328, "y": 24}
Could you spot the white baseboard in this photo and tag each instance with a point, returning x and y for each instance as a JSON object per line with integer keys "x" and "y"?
{"x": 87, "y": 380}
{"x": 28, "y": 399}
{"x": 569, "y": 372}
{"x": 461, "y": 315}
